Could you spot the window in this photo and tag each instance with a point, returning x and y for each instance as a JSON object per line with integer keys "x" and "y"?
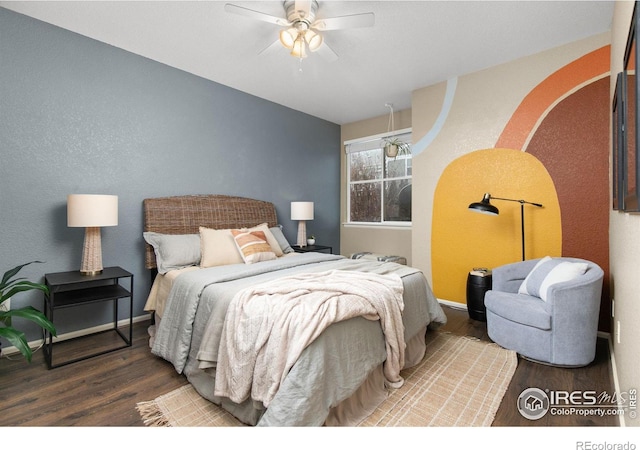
{"x": 379, "y": 187}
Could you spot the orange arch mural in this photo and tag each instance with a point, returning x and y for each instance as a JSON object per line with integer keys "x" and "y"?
{"x": 478, "y": 240}
{"x": 554, "y": 87}
{"x": 586, "y": 152}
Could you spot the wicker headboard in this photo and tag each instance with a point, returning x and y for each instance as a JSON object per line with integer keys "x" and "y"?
{"x": 187, "y": 213}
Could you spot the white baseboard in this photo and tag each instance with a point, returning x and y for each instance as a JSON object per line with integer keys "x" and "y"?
{"x": 74, "y": 334}
{"x": 452, "y": 304}
{"x": 616, "y": 383}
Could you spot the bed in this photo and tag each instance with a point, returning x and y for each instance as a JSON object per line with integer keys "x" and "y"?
{"x": 274, "y": 337}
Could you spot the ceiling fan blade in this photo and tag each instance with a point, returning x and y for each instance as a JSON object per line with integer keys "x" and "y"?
{"x": 270, "y": 48}
{"x": 234, "y": 9}
{"x": 342, "y": 22}
{"x": 327, "y": 52}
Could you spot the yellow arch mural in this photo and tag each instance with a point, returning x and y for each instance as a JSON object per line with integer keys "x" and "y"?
{"x": 462, "y": 239}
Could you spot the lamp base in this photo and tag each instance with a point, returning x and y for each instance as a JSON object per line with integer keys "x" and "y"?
{"x": 90, "y": 274}
{"x": 91, "y": 252}
{"x": 302, "y": 234}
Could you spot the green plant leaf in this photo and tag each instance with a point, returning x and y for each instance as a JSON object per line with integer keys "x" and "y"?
{"x": 21, "y": 286}
{"x": 32, "y": 314}
{"x": 13, "y": 272}
{"x": 10, "y": 286}
{"x": 18, "y": 339}
{"x": 5, "y": 318}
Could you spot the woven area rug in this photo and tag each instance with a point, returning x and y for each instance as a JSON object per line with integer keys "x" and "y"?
{"x": 460, "y": 382}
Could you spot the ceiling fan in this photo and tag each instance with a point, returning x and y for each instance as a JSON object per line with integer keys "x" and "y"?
{"x": 301, "y": 27}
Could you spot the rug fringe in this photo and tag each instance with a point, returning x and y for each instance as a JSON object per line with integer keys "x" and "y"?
{"x": 151, "y": 414}
{"x": 470, "y": 338}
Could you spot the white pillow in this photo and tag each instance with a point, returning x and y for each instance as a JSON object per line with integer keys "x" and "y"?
{"x": 174, "y": 251}
{"x": 218, "y": 248}
{"x": 549, "y": 271}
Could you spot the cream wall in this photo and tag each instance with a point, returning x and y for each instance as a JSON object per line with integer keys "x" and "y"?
{"x": 376, "y": 239}
{"x": 624, "y": 248}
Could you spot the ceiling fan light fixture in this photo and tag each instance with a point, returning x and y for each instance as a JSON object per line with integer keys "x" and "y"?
{"x": 300, "y": 18}
{"x": 299, "y": 49}
{"x": 288, "y": 37}
{"x": 313, "y": 39}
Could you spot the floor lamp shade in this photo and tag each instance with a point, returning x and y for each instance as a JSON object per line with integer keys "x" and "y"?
{"x": 92, "y": 212}
{"x": 302, "y": 211}
{"x": 484, "y": 206}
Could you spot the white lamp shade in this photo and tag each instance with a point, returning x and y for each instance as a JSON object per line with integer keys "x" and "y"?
{"x": 313, "y": 39}
{"x": 301, "y": 210}
{"x": 88, "y": 210}
{"x": 288, "y": 37}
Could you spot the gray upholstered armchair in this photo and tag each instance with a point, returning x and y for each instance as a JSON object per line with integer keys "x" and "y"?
{"x": 558, "y": 330}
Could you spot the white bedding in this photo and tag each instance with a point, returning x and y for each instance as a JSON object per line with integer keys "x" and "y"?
{"x": 160, "y": 289}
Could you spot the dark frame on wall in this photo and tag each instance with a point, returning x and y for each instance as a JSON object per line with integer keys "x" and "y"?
{"x": 619, "y": 147}
{"x": 631, "y": 162}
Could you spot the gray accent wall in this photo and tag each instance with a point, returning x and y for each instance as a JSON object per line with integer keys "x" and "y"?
{"x": 80, "y": 116}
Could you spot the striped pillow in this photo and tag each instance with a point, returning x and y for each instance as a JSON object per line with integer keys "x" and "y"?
{"x": 253, "y": 246}
{"x": 550, "y": 271}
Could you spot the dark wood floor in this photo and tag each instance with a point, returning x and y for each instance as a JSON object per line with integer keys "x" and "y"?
{"x": 103, "y": 391}
{"x": 597, "y": 376}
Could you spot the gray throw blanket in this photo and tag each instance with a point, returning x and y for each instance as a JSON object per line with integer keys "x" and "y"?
{"x": 268, "y": 326}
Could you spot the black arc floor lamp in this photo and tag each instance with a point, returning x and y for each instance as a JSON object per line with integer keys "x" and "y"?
{"x": 485, "y": 207}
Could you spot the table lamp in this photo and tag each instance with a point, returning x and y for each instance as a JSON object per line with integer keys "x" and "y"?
{"x": 302, "y": 211}
{"x": 92, "y": 212}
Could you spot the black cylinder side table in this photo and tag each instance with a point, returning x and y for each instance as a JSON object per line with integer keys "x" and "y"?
{"x": 478, "y": 282}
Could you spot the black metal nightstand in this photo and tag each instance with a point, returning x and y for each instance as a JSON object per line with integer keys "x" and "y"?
{"x": 69, "y": 289}
{"x": 312, "y": 248}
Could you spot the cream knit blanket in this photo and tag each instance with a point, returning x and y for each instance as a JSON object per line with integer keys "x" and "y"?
{"x": 268, "y": 326}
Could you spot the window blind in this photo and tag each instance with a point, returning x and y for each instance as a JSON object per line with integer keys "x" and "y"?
{"x": 377, "y": 141}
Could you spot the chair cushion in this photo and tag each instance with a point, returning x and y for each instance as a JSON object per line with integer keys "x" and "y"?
{"x": 524, "y": 309}
{"x": 550, "y": 271}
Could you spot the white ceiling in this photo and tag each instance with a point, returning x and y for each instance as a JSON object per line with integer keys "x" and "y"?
{"x": 412, "y": 44}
